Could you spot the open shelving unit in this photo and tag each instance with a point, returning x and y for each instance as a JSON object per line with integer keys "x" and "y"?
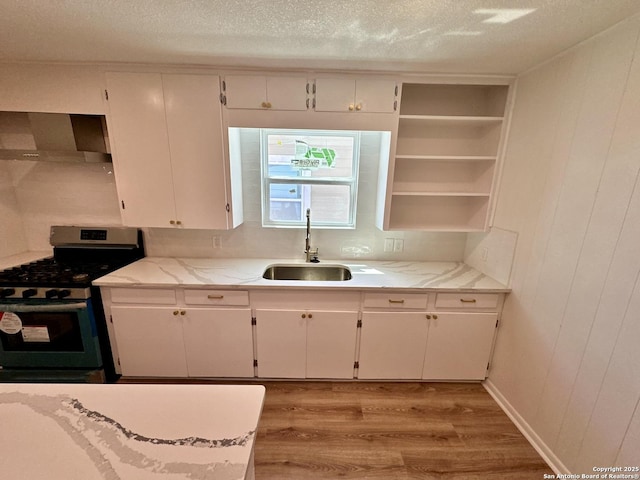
{"x": 447, "y": 146}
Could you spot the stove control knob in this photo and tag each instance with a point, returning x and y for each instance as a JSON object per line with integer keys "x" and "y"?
{"x": 64, "y": 293}
{"x": 29, "y": 292}
{"x": 51, "y": 293}
{"x": 7, "y": 292}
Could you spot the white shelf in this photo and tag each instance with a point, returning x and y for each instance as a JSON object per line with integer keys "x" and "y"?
{"x": 445, "y": 160}
{"x": 438, "y": 194}
{"x": 448, "y": 119}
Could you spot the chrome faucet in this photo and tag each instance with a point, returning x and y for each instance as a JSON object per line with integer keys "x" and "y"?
{"x": 311, "y": 254}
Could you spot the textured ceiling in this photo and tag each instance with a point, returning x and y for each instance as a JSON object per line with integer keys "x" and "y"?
{"x": 453, "y": 36}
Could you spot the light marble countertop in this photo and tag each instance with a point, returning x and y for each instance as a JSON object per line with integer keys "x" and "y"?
{"x": 24, "y": 257}
{"x": 96, "y": 432}
{"x": 247, "y": 272}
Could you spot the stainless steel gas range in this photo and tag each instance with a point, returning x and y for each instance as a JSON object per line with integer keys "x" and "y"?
{"x": 52, "y": 324}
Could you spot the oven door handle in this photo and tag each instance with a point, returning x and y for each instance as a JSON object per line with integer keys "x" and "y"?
{"x": 26, "y": 308}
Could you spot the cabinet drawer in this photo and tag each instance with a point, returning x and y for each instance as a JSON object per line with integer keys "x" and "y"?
{"x": 158, "y": 296}
{"x": 215, "y": 297}
{"x": 467, "y": 300}
{"x": 396, "y": 300}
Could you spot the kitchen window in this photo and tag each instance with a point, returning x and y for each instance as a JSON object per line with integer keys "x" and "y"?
{"x": 316, "y": 169}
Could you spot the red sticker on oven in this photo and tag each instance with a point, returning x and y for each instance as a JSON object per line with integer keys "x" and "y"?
{"x": 10, "y": 323}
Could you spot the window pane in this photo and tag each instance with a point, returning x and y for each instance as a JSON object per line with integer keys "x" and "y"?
{"x": 330, "y": 203}
{"x": 291, "y": 156}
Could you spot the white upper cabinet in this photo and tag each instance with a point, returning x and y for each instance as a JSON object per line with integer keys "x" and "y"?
{"x": 168, "y": 150}
{"x": 347, "y": 94}
{"x": 260, "y": 92}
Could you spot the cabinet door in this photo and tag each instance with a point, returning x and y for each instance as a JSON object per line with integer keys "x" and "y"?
{"x": 459, "y": 346}
{"x": 245, "y": 91}
{"x": 392, "y": 345}
{"x": 281, "y": 337}
{"x": 331, "y": 344}
{"x": 375, "y": 95}
{"x": 142, "y": 161}
{"x": 258, "y": 92}
{"x": 335, "y": 94}
{"x": 149, "y": 341}
{"x": 287, "y": 93}
{"x": 194, "y": 123}
{"x": 218, "y": 342}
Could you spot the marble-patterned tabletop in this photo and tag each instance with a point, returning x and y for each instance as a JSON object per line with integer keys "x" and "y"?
{"x": 122, "y": 431}
{"x": 247, "y": 272}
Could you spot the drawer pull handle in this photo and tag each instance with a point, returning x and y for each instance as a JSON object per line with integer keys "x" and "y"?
{"x": 464, "y": 300}
{"x": 396, "y": 301}
{"x": 215, "y": 297}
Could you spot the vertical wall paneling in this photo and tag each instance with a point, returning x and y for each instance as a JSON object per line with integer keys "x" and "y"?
{"x": 588, "y": 220}
{"x": 565, "y": 357}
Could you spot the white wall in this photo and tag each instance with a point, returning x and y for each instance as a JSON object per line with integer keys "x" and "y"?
{"x": 567, "y": 358}
{"x": 252, "y": 240}
{"x": 52, "y": 193}
{"x": 12, "y": 237}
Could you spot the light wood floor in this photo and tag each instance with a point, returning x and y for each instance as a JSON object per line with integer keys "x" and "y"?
{"x": 394, "y": 431}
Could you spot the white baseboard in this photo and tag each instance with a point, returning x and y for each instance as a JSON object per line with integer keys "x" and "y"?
{"x": 536, "y": 442}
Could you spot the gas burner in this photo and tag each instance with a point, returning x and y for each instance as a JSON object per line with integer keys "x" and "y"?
{"x": 80, "y": 277}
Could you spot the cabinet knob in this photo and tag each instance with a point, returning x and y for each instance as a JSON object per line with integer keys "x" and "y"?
{"x": 304, "y": 315}
{"x": 268, "y": 104}
{"x": 183, "y": 312}
{"x": 465, "y": 300}
{"x": 435, "y": 317}
{"x": 172, "y": 222}
{"x": 178, "y": 222}
{"x": 351, "y": 107}
{"x": 428, "y": 317}
{"x": 263, "y": 104}
{"x": 310, "y": 315}
{"x": 359, "y": 107}
{"x": 176, "y": 312}
{"x": 396, "y": 301}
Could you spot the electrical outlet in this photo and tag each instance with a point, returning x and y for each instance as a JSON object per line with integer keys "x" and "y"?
{"x": 388, "y": 244}
{"x": 398, "y": 245}
{"x": 217, "y": 241}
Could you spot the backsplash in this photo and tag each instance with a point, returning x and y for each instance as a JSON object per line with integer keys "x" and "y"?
{"x": 12, "y": 237}
{"x": 85, "y": 194}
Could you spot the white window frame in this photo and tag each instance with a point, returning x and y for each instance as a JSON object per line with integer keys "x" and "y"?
{"x": 267, "y": 181}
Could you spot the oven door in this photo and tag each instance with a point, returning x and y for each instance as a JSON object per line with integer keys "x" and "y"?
{"x": 45, "y": 334}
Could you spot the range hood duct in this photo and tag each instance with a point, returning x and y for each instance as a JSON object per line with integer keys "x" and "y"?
{"x": 54, "y": 137}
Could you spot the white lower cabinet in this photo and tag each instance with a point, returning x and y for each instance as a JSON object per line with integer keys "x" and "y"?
{"x": 305, "y": 343}
{"x": 218, "y": 343}
{"x": 175, "y": 342}
{"x": 406, "y": 336}
{"x": 392, "y": 345}
{"x": 197, "y": 332}
{"x": 150, "y": 341}
{"x": 459, "y": 346}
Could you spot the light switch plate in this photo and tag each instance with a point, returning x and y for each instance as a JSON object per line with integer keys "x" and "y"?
{"x": 388, "y": 244}
{"x": 398, "y": 245}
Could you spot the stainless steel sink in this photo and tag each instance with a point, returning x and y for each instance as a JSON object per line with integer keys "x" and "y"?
{"x": 308, "y": 272}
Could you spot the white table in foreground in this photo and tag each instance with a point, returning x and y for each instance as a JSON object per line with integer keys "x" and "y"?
{"x": 123, "y": 431}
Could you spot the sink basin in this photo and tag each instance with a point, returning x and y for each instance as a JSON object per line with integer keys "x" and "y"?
{"x": 308, "y": 272}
